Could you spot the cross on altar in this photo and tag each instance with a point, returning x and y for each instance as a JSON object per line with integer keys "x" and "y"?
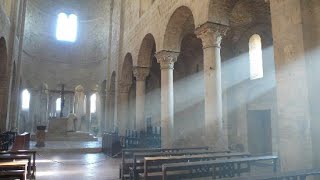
{"x": 62, "y": 92}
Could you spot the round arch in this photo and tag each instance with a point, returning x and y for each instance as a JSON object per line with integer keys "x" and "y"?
{"x": 180, "y": 23}
{"x": 126, "y": 72}
{"x": 145, "y": 53}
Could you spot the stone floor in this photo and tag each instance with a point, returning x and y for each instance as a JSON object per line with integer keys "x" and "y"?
{"x": 76, "y": 166}
{"x": 69, "y": 146}
{"x": 61, "y": 160}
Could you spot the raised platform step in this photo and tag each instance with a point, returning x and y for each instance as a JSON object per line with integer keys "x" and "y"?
{"x": 69, "y": 136}
{"x": 68, "y": 147}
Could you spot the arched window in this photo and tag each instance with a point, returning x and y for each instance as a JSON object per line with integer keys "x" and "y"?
{"x": 255, "y": 54}
{"x": 25, "y": 99}
{"x": 67, "y": 27}
{"x": 58, "y": 105}
{"x": 93, "y": 101}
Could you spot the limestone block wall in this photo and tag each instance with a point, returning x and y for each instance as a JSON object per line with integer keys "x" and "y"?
{"x": 311, "y": 33}
{"x": 82, "y": 62}
{"x": 153, "y": 21}
{"x": 11, "y": 18}
{"x": 292, "y": 88}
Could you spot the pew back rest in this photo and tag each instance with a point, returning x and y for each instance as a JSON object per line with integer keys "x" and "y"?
{"x": 22, "y": 142}
{"x": 208, "y": 168}
{"x": 154, "y": 164}
{"x": 128, "y": 155}
{"x": 298, "y": 174}
{"x": 138, "y": 157}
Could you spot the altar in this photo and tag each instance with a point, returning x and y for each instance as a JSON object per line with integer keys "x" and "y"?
{"x": 57, "y": 125}
{"x": 57, "y": 131}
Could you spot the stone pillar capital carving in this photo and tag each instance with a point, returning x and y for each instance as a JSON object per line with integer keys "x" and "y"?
{"x": 167, "y": 59}
{"x": 124, "y": 87}
{"x": 211, "y": 34}
{"x": 141, "y": 73}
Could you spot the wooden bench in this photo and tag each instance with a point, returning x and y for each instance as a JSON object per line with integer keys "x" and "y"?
{"x": 13, "y": 170}
{"x": 24, "y": 152}
{"x": 138, "y": 158}
{"x": 153, "y": 165}
{"x": 300, "y": 174}
{"x": 19, "y": 174}
{"x": 127, "y": 156}
{"x": 11, "y": 158}
{"x": 6, "y": 140}
{"x": 214, "y": 168}
{"x": 22, "y": 142}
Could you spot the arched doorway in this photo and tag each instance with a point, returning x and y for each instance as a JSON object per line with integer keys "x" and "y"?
{"x": 146, "y": 59}
{"x": 126, "y": 119}
{"x": 187, "y": 76}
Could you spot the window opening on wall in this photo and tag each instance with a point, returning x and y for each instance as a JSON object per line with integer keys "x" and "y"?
{"x": 67, "y": 26}
{"x": 255, "y": 55}
{"x": 58, "y": 105}
{"x": 93, "y": 103}
{"x": 25, "y": 99}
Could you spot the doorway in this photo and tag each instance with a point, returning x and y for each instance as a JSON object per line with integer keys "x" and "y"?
{"x": 259, "y": 131}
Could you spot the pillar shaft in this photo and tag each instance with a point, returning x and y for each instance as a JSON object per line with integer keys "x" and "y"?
{"x": 124, "y": 107}
{"x": 167, "y": 60}
{"x": 211, "y": 35}
{"x": 85, "y": 124}
{"x": 140, "y": 73}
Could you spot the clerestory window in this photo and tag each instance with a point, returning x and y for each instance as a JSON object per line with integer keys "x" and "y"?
{"x": 25, "y": 99}
{"x": 58, "y": 105}
{"x": 67, "y": 26}
{"x": 255, "y": 55}
{"x": 93, "y": 102}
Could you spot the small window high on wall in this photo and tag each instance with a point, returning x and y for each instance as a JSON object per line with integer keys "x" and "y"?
{"x": 93, "y": 103}
{"x": 58, "y": 105}
{"x": 25, "y": 99}
{"x": 67, "y": 26}
{"x": 255, "y": 55}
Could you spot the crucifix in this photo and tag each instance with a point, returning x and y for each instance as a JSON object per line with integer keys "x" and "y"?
{"x": 62, "y": 92}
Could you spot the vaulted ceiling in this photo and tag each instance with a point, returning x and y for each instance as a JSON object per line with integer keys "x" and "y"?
{"x": 70, "y": 63}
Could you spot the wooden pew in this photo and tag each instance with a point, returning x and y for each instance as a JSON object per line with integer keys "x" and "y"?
{"x": 153, "y": 165}
{"x": 20, "y": 174}
{"x": 6, "y": 140}
{"x": 11, "y": 158}
{"x": 32, "y": 153}
{"x": 138, "y": 158}
{"x": 127, "y": 156}
{"x": 13, "y": 170}
{"x": 297, "y": 175}
{"x": 214, "y": 168}
{"x": 22, "y": 142}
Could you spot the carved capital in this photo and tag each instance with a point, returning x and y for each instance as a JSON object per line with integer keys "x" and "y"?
{"x": 211, "y": 34}
{"x": 124, "y": 87}
{"x": 167, "y": 59}
{"x": 141, "y": 73}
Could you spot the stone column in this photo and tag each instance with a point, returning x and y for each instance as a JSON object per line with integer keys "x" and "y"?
{"x": 211, "y": 35}
{"x": 140, "y": 73}
{"x": 85, "y": 125}
{"x": 44, "y": 99}
{"x": 124, "y": 107}
{"x": 3, "y": 100}
{"x": 34, "y": 117}
{"x": 293, "y": 89}
{"x": 102, "y": 110}
{"x": 167, "y": 60}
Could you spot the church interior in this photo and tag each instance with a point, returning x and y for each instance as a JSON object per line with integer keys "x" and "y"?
{"x": 159, "y": 89}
